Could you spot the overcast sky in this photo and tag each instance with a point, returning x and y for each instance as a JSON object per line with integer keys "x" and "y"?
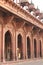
{"x": 38, "y": 3}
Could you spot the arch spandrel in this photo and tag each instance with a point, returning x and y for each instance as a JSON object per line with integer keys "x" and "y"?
{"x": 28, "y": 35}
{"x": 20, "y": 31}
{"x": 1, "y": 18}
{"x": 9, "y": 27}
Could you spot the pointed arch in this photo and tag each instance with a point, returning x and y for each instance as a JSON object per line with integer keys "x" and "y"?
{"x": 35, "y": 48}
{"x": 28, "y": 47}
{"x": 20, "y": 46}
{"x": 8, "y": 46}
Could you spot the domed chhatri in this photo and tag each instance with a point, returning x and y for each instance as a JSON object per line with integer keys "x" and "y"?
{"x": 24, "y": 3}
{"x": 31, "y": 7}
{"x": 41, "y": 16}
{"x": 36, "y": 12}
{"x": 21, "y": 1}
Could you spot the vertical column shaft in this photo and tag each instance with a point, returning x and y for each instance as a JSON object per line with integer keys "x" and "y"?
{"x": 32, "y": 48}
{"x": 14, "y": 45}
{"x": 0, "y": 41}
{"x": 24, "y": 46}
{"x": 3, "y": 46}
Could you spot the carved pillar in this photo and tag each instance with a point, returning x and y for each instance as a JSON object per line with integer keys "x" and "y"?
{"x": 3, "y": 46}
{"x": 42, "y": 47}
{"x": 0, "y": 41}
{"x": 41, "y": 42}
{"x": 26, "y": 49}
{"x": 28, "y": 30}
{"x": 38, "y": 48}
{"x": 14, "y": 45}
{"x": 32, "y": 47}
{"x": 36, "y": 37}
{"x": 37, "y": 44}
{"x": 24, "y": 46}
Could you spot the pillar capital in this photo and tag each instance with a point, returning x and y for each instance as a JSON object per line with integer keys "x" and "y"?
{"x": 35, "y": 31}
{"x": 28, "y": 28}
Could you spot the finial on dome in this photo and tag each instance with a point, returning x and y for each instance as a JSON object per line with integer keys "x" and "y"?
{"x": 37, "y": 8}
{"x": 32, "y": 2}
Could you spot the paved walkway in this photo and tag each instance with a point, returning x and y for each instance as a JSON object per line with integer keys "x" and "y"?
{"x": 32, "y": 62}
{"x": 27, "y": 62}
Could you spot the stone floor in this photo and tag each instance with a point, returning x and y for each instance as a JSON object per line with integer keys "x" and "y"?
{"x": 25, "y": 62}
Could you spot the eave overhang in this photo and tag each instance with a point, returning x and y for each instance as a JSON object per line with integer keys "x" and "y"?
{"x": 17, "y": 10}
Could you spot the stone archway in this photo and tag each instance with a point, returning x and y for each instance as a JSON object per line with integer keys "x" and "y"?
{"x": 28, "y": 48}
{"x": 35, "y": 49}
{"x": 8, "y": 46}
{"x": 40, "y": 49}
{"x": 20, "y": 47}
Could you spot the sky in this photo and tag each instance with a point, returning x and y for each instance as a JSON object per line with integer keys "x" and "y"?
{"x": 38, "y": 3}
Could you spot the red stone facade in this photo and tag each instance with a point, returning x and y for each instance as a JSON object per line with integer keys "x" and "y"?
{"x": 21, "y": 34}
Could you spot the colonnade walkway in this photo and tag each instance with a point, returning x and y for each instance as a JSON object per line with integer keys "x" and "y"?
{"x": 25, "y": 62}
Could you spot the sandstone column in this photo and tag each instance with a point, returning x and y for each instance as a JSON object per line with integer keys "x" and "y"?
{"x": 42, "y": 47}
{"x": 38, "y": 48}
{"x": 0, "y": 40}
{"x": 32, "y": 47}
{"x": 24, "y": 46}
{"x": 14, "y": 45}
{"x": 3, "y": 46}
{"x": 37, "y": 44}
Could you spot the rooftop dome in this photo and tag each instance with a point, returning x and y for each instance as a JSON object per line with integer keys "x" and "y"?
{"x": 21, "y": 1}
{"x": 31, "y": 7}
{"x": 41, "y": 16}
{"x": 37, "y": 12}
{"x": 24, "y": 3}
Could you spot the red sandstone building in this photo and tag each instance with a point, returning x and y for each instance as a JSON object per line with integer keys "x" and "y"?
{"x": 21, "y": 31}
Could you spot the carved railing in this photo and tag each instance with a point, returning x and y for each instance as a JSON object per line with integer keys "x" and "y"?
{"x": 17, "y": 10}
